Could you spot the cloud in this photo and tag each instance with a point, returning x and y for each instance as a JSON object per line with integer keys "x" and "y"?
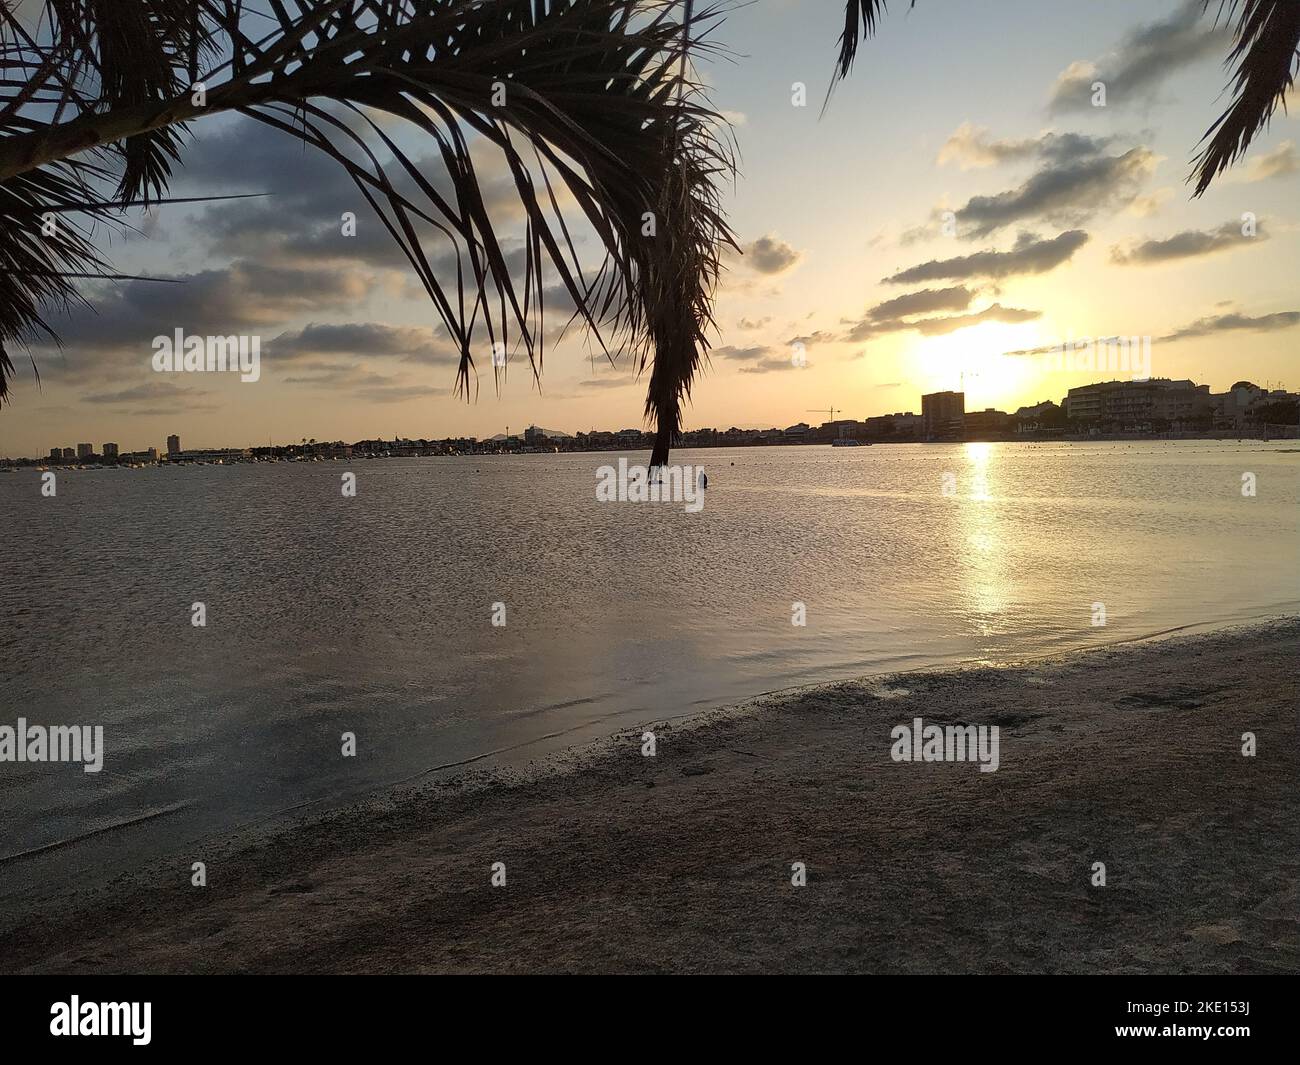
{"x": 242, "y": 298}
{"x": 608, "y": 382}
{"x": 396, "y": 393}
{"x": 1029, "y": 256}
{"x": 1142, "y": 61}
{"x": 1281, "y": 161}
{"x": 363, "y": 384}
{"x": 939, "y": 325}
{"x": 764, "y": 359}
{"x": 972, "y": 147}
{"x": 175, "y": 399}
{"x": 926, "y": 301}
{"x": 1226, "y": 323}
{"x": 819, "y": 337}
{"x": 749, "y": 323}
{"x": 364, "y": 338}
{"x": 735, "y": 354}
{"x": 993, "y": 313}
{"x": 1150, "y": 204}
{"x": 1191, "y": 243}
{"x": 773, "y": 364}
{"x": 771, "y": 255}
{"x": 1065, "y": 193}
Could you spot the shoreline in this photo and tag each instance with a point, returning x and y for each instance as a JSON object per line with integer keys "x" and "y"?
{"x": 682, "y": 862}
{"x": 1287, "y": 434}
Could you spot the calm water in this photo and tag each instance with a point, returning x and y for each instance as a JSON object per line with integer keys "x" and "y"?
{"x": 372, "y": 615}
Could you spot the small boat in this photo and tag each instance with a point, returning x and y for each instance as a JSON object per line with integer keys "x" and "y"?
{"x": 846, "y": 442}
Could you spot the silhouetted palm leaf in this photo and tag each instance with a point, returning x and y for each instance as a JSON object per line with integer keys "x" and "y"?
{"x": 1266, "y": 51}
{"x": 599, "y": 98}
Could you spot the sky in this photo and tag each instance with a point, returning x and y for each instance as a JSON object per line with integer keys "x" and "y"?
{"x": 1067, "y": 220}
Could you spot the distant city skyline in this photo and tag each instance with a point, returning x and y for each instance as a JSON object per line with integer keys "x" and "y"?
{"x": 930, "y": 411}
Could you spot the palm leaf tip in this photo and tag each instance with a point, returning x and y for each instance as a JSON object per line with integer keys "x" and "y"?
{"x": 1266, "y": 53}
{"x": 860, "y": 20}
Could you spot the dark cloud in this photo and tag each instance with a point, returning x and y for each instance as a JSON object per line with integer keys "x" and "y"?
{"x": 1142, "y": 61}
{"x": 1189, "y": 244}
{"x": 819, "y": 337}
{"x": 397, "y": 393}
{"x": 972, "y": 146}
{"x": 1065, "y": 193}
{"x": 1227, "y": 323}
{"x": 365, "y": 384}
{"x": 1029, "y": 256}
{"x": 771, "y": 255}
{"x": 735, "y": 354}
{"x": 995, "y": 312}
{"x": 608, "y": 382}
{"x": 774, "y": 364}
{"x": 927, "y": 301}
{"x": 113, "y": 339}
{"x": 174, "y": 399}
{"x": 758, "y": 359}
{"x": 366, "y": 338}
{"x": 939, "y": 325}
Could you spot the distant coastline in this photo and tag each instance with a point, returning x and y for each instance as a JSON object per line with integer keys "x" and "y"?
{"x": 450, "y": 447}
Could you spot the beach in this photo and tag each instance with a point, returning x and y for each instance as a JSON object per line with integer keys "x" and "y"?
{"x": 616, "y": 861}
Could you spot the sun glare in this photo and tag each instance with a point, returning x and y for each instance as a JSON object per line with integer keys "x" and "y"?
{"x": 974, "y": 361}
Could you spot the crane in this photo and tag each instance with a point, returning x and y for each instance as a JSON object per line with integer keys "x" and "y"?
{"x": 829, "y": 410}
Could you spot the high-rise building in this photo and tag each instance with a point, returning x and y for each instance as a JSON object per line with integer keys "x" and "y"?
{"x": 110, "y": 451}
{"x": 173, "y": 445}
{"x": 68, "y": 453}
{"x": 943, "y": 414}
{"x": 85, "y": 451}
{"x": 56, "y": 452}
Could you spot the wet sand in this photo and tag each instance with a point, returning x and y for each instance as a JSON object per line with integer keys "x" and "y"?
{"x": 681, "y": 862}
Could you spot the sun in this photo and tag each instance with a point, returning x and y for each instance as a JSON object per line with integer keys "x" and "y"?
{"x": 975, "y": 361}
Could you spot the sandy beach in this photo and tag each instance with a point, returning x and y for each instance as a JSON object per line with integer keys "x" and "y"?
{"x": 682, "y": 862}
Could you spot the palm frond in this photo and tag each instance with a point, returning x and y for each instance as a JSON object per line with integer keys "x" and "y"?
{"x": 1266, "y": 52}
{"x": 599, "y": 99}
{"x": 860, "y": 18}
